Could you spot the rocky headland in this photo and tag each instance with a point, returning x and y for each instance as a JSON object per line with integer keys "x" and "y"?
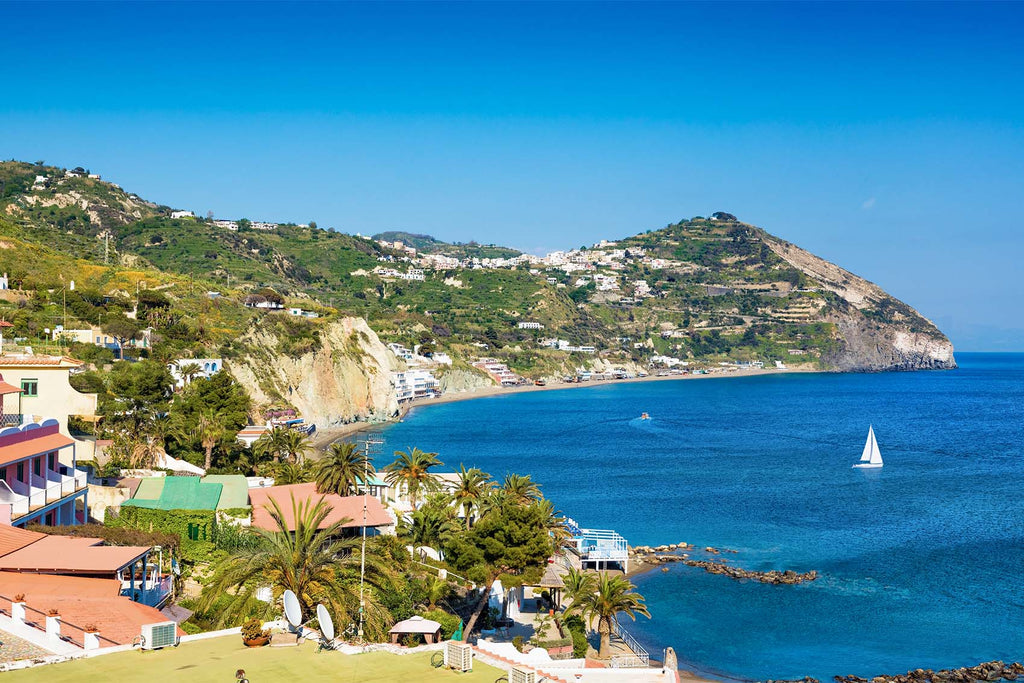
{"x": 986, "y": 671}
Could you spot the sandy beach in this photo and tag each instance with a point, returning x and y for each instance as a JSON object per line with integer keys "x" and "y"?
{"x": 324, "y": 437}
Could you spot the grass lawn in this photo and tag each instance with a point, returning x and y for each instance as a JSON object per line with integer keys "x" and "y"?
{"x": 217, "y": 659}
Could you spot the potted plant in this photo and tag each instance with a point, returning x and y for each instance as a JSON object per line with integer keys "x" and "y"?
{"x": 91, "y": 628}
{"x": 52, "y": 612}
{"x": 19, "y": 597}
{"x": 253, "y": 633}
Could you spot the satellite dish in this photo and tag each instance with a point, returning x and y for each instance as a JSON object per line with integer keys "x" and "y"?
{"x": 292, "y": 610}
{"x": 326, "y": 623}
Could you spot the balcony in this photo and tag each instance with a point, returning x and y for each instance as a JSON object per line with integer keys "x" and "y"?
{"x": 10, "y": 420}
{"x": 26, "y": 497}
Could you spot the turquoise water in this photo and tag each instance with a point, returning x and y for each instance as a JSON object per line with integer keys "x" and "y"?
{"x": 921, "y": 561}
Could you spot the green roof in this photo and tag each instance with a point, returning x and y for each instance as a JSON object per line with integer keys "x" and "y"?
{"x": 150, "y": 488}
{"x": 235, "y": 491}
{"x": 178, "y": 493}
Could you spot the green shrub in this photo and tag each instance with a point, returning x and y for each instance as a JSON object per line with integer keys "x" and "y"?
{"x": 449, "y": 622}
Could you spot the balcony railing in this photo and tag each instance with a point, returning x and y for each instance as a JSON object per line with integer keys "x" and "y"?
{"x": 10, "y": 420}
{"x": 24, "y": 497}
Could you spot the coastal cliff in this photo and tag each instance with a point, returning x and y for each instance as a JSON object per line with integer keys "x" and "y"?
{"x": 346, "y": 379}
{"x": 874, "y": 331}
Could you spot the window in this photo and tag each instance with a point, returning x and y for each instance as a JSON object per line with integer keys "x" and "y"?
{"x": 21, "y": 471}
{"x": 37, "y": 466}
{"x": 30, "y": 387}
{"x": 51, "y": 461}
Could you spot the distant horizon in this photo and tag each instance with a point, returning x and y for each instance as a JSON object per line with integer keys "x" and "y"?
{"x": 869, "y": 134}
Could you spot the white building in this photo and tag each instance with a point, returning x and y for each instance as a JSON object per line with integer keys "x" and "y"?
{"x": 401, "y": 351}
{"x": 525, "y": 325}
{"x": 3, "y": 282}
{"x": 413, "y": 384}
{"x": 182, "y": 214}
{"x": 207, "y": 368}
{"x": 227, "y": 225}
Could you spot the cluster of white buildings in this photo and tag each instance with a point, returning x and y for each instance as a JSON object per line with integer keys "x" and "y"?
{"x": 415, "y": 274}
{"x": 565, "y": 345}
{"x": 413, "y": 384}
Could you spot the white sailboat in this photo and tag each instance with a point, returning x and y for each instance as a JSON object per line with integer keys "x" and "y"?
{"x": 871, "y": 457}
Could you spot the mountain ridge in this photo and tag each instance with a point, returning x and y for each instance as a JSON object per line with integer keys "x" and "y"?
{"x": 702, "y": 290}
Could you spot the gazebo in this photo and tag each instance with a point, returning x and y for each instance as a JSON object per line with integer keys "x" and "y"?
{"x": 430, "y": 630}
{"x": 554, "y": 584}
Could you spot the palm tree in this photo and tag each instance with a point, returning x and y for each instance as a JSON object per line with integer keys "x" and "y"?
{"x": 554, "y": 523}
{"x": 412, "y": 467}
{"x": 521, "y": 489}
{"x": 604, "y": 598}
{"x": 342, "y": 469}
{"x": 311, "y": 560}
{"x": 289, "y": 473}
{"x": 471, "y": 489}
{"x": 433, "y": 523}
{"x": 272, "y": 444}
{"x": 209, "y": 429}
{"x": 295, "y": 445}
{"x": 576, "y": 584}
{"x": 189, "y": 371}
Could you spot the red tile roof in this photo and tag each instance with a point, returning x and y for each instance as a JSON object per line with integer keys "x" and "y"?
{"x": 13, "y": 538}
{"x": 348, "y": 507}
{"x": 39, "y": 360}
{"x": 6, "y": 388}
{"x": 81, "y": 601}
{"x": 70, "y": 555}
{"x": 30, "y": 447}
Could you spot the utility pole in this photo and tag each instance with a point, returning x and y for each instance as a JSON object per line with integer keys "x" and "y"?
{"x": 370, "y": 445}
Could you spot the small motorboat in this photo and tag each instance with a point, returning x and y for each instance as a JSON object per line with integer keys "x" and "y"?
{"x": 645, "y": 416}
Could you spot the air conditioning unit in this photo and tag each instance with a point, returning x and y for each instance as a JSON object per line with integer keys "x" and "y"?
{"x": 156, "y": 636}
{"x": 458, "y": 656}
{"x": 518, "y": 675}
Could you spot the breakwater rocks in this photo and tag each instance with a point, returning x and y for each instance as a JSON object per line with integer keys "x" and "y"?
{"x": 986, "y": 671}
{"x": 783, "y": 578}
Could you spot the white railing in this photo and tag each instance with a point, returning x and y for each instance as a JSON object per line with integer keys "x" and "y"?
{"x": 639, "y": 658}
{"x": 49, "y": 490}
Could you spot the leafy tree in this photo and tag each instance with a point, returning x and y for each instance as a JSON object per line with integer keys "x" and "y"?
{"x": 412, "y": 468}
{"x": 123, "y": 330}
{"x": 219, "y": 393}
{"x": 313, "y": 561}
{"x": 433, "y": 523}
{"x": 604, "y": 598}
{"x": 139, "y": 390}
{"x": 342, "y": 469}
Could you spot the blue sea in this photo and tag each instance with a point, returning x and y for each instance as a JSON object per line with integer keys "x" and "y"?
{"x": 921, "y": 562}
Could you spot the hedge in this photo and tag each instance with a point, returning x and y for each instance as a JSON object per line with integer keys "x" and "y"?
{"x": 195, "y": 528}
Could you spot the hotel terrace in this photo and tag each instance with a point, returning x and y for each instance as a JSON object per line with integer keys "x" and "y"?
{"x": 39, "y": 482}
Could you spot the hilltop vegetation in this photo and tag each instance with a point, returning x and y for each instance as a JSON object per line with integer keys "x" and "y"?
{"x": 701, "y": 290}
{"x": 430, "y": 245}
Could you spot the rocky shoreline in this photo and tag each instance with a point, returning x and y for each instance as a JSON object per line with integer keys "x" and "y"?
{"x": 986, "y": 671}
{"x": 774, "y": 577}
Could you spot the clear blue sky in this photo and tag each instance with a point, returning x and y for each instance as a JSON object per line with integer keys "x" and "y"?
{"x": 888, "y": 138}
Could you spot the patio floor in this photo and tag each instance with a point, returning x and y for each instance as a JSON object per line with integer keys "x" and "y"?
{"x": 217, "y": 659}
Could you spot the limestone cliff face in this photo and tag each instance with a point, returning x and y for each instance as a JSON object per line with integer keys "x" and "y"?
{"x": 345, "y": 380}
{"x": 876, "y": 332}
{"x": 457, "y": 380}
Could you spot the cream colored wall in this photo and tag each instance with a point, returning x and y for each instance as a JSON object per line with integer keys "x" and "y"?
{"x": 56, "y": 398}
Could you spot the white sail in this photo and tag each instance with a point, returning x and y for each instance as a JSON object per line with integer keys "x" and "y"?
{"x": 866, "y": 455}
{"x": 871, "y": 457}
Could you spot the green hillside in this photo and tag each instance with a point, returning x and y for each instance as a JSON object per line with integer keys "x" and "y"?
{"x": 703, "y": 289}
